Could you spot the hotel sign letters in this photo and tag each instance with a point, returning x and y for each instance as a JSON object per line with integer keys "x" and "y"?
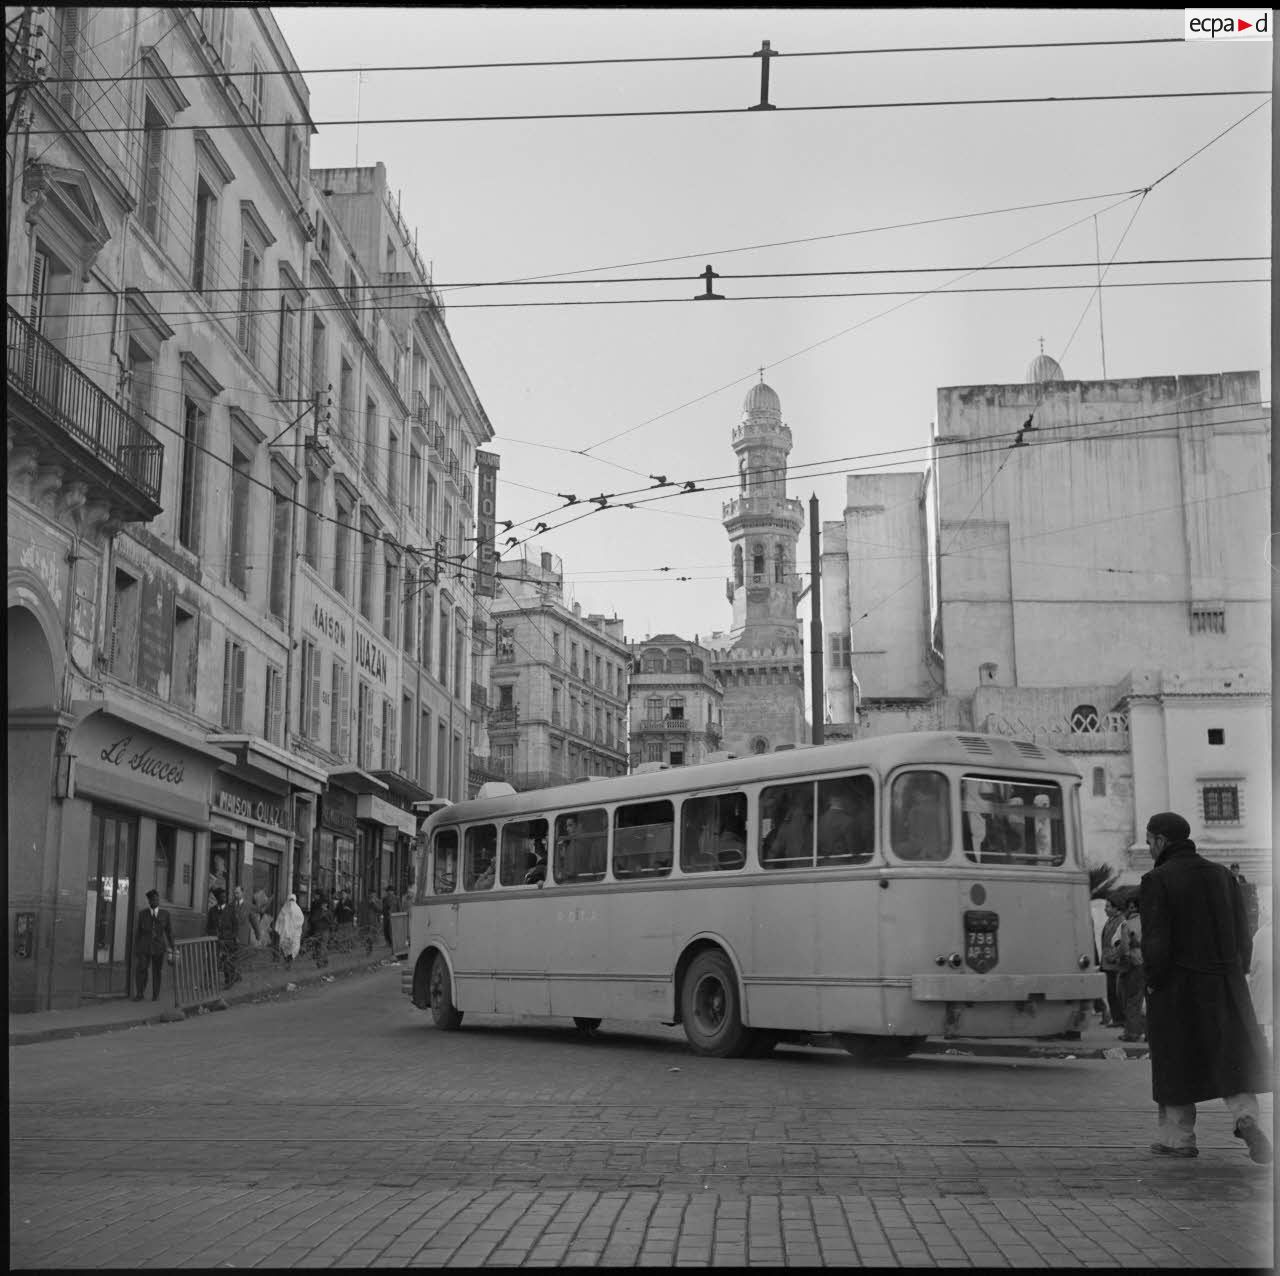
{"x": 487, "y": 464}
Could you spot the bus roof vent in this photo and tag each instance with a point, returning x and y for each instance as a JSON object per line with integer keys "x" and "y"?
{"x": 975, "y": 744}
{"x": 1027, "y": 750}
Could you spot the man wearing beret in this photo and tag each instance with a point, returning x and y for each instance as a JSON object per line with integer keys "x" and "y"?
{"x": 151, "y": 944}
{"x": 1196, "y": 947}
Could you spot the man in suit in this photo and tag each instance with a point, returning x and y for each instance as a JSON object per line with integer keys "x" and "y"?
{"x": 151, "y": 944}
{"x": 221, "y": 923}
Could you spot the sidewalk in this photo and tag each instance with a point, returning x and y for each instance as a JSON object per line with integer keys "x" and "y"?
{"x": 120, "y": 1013}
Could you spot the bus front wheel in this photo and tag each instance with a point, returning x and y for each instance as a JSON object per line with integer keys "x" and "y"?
{"x": 444, "y": 1014}
{"x": 710, "y": 1008}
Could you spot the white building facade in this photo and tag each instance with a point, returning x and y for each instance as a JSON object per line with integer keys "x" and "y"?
{"x": 1081, "y": 566}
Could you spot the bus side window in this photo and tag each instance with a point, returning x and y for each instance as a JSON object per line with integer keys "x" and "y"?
{"x": 920, "y": 827}
{"x": 478, "y": 867}
{"x": 445, "y": 862}
{"x": 581, "y": 842}
{"x": 524, "y": 848}
{"x": 713, "y": 833}
{"x": 846, "y": 825}
{"x": 643, "y": 839}
{"x": 786, "y": 826}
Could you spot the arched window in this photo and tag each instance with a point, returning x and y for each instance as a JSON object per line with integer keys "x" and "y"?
{"x": 757, "y": 560}
{"x": 1084, "y": 718}
{"x": 778, "y": 564}
{"x": 742, "y": 475}
{"x": 1099, "y": 782}
{"x": 737, "y": 564}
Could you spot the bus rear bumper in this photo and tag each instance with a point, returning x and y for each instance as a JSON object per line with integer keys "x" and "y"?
{"x": 1008, "y": 988}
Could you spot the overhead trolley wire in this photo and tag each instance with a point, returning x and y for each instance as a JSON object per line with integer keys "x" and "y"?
{"x": 688, "y": 57}
{"x": 687, "y": 111}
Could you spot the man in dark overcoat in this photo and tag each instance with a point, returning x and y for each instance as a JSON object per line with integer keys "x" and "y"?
{"x": 1203, "y": 1036}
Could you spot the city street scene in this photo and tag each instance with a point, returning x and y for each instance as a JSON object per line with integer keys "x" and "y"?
{"x": 639, "y": 637}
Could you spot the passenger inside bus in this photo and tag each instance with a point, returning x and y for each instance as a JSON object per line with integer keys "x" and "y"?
{"x": 844, "y": 829}
{"x": 921, "y": 816}
{"x": 789, "y": 841}
{"x": 538, "y": 869}
{"x": 446, "y": 874}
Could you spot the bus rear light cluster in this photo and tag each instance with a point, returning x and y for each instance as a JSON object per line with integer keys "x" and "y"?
{"x": 1084, "y": 961}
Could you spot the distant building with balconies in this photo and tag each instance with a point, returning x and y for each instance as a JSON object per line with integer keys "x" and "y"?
{"x": 557, "y": 706}
{"x": 677, "y": 702}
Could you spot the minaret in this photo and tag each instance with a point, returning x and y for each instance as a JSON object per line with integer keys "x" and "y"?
{"x": 764, "y": 527}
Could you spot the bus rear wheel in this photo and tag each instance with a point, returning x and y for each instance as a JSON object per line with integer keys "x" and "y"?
{"x": 444, "y": 1014}
{"x": 711, "y": 1010}
{"x": 585, "y": 1026}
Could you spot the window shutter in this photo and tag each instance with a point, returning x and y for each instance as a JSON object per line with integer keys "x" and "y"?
{"x": 242, "y": 324}
{"x": 39, "y": 276}
{"x": 69, "y": 61}
{"x": 238, "y": 705}
{"x": 154, "y": 162}
{"x": 344, "y": 724}
{"x": 226, "y": 683}
{"x": 393, "y": 748}
{"x": 315, "y": 693}
{"x": 277, "y": 707}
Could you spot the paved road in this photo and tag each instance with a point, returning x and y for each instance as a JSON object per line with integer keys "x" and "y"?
{"x": 336, "y": 1127}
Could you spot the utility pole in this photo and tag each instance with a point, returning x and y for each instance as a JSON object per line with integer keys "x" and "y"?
{"x": 815, "y": 625}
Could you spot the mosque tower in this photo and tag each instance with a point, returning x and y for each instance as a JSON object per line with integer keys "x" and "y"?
{"x": 760, "y": 660}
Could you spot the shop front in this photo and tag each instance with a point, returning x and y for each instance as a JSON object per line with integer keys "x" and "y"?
{"x": 331, "y": 866}
{"x": 251, "y": 835}
{"x": 136, "y": 819}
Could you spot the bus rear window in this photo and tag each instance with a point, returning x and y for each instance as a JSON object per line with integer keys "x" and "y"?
{"x": 581, "y": 845}
{"x": 480, "y": 862}
{"x": 1010, "y": 821}
{"x": 643, "y": 839}
{"x": 920, "y": 818}
{"x": 444, "y": 870}
{"x": 713, "y": 833}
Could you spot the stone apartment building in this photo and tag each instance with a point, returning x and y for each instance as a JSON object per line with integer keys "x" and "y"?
{"x": 558, "y": 680}
{"x": 676, "y": 702}
{"x": 241, "y": 573}
{"x": 1080, "y": 567}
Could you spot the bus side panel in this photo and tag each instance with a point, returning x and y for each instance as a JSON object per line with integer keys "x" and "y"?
{"x": 579, "y": 937}
{"x": 519, "y": 934}
{"x": 781, "y": 955}
{"x": 850, "y": 989}
{"x": 640, "y": 929}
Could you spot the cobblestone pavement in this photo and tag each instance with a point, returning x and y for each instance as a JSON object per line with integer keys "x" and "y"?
{"x": 335, "y": 1127}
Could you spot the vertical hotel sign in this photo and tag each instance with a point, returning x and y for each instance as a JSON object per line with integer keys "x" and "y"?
{"x": 487, "y": 465}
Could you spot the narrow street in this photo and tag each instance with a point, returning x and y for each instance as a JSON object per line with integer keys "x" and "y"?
{"x": 335, "y": 1126}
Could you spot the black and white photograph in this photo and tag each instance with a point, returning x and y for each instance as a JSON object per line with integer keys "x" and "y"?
{"x": 639, "y": 637}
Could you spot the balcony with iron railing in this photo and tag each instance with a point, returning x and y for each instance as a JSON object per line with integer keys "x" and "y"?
{"x": 437, "y": 436}
{"x": 504, "y": 718}
{"x": 418, "y": 408}
{"x": 467, "y": 490}
{"x": 66, "y": 415}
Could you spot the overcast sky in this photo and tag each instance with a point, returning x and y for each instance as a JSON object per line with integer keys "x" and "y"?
{"x": 658, "y": 388}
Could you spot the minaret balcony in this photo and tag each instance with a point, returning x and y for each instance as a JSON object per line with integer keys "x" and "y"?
{"x": 77, "y": 425}
{"x": 781, "y": 509}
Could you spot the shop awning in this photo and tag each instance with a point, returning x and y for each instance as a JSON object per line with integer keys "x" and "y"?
{"x": 371, "y": 807}
{"x": 354, "y": 780}
{"x": 403, "y": 787}
{"x": 164, "y": 727}
{"x": 258, "y": 760}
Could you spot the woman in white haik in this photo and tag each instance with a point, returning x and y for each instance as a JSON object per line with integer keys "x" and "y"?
{"x": 289, "y": 928}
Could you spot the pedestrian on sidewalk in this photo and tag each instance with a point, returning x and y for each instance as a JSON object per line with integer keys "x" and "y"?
{"x": 1196, "y": 948}
{"x": 289, "y": 927}
{"x": 221, "y": 923}
{"x": 1110, "y": 966}
{"x": 321, "y": 924}
{"x": 151, "y": 945}
{"x": 388, "y": 907}
{"x": 1132, "y": 978}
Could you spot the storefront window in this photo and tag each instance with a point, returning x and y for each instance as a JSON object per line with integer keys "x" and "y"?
{"x": 174, "y": 864}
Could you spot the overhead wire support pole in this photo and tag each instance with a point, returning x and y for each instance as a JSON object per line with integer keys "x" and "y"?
{"x": 764, "y": 53}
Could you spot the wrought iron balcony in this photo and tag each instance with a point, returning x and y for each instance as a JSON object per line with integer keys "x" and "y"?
{"x": 419, "y": 407}
{"x": 503, "y": 717}
{"x": 79, "y": 421}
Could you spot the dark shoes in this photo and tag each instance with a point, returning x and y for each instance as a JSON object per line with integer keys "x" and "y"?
{"x": 1258, "y": 1144}
{"x": 1161, "y": 1149}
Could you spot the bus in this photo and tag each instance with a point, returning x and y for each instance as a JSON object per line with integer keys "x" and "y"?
{"x": 875, "y": 892}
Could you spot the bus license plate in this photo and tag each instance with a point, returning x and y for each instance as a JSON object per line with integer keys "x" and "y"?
{"x": 981, "y": 947}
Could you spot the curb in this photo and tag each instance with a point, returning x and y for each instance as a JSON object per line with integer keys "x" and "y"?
{"x": 33, "y": 1036}
{"x": 1032, "y": 1049}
